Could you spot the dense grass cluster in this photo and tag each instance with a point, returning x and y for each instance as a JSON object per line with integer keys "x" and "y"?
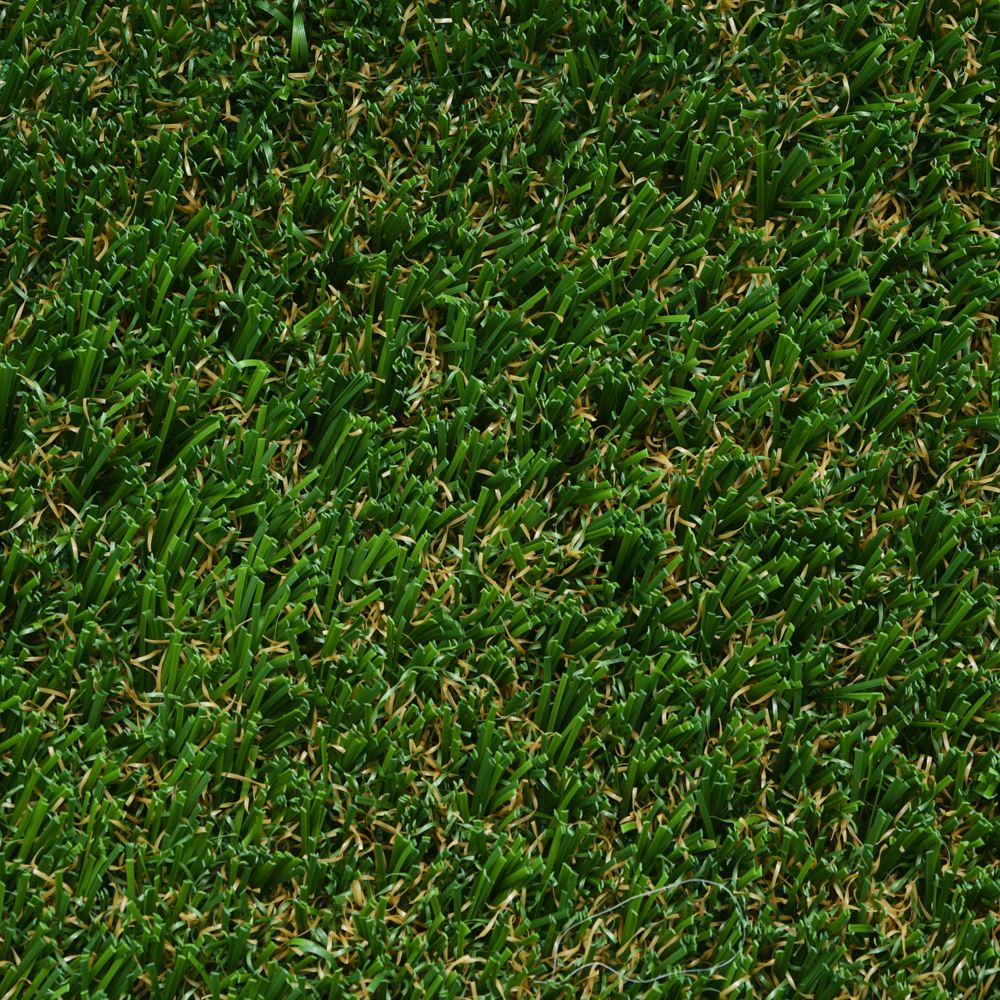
{"x": 463, "y": 464}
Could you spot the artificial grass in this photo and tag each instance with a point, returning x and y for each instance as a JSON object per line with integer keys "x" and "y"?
{"x": 465, "y": 464}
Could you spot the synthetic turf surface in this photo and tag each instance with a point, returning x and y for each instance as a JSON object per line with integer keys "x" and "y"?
{"x": 464, "y": 464}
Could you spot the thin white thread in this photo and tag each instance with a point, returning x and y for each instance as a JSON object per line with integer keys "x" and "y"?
{"x": 494, "y": 73}
{"x": 620, "y": 973}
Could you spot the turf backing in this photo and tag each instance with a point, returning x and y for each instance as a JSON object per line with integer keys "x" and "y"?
{"x": 466, "y": 464}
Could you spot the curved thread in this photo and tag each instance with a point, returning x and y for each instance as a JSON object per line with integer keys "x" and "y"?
{"x": 694, "y": 971}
